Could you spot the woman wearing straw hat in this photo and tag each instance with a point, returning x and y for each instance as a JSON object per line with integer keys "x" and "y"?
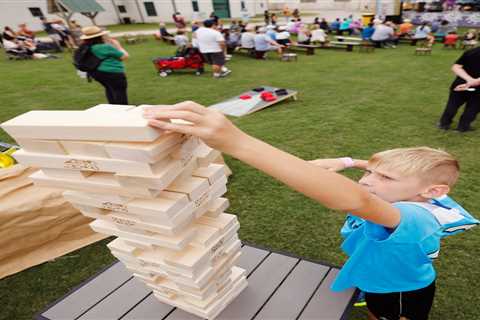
{"x": 111, "y": 71}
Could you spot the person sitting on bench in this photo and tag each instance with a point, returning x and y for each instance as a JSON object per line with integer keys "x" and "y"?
{"x": 247, "y": 38}
{"x": 163, "y": 30}
{"x": 318, "y": 35}
{"x": 264, "y": 43}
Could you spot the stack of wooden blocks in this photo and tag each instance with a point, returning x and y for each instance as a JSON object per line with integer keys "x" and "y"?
{"x": 159, "y": 193}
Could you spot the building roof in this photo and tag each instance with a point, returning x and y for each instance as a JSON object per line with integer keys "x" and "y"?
{"x": 77, "y": 5}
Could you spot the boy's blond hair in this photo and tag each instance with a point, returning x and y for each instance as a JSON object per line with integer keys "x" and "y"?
{"x": 433, "y": 166}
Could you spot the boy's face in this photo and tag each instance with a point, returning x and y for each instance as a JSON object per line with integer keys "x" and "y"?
{"x": 392, "y": 186}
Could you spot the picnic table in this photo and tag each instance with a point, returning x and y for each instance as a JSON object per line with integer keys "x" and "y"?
{"x": 308, "y": 48}
{"x": 348, "y": 39}
{"x": 343, "y": 44}
{"x": 280, "y": 286}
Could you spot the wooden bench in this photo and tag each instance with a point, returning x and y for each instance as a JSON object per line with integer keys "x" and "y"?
{"x": 344, "y": 44}
{"x": 280, "y": 286}
{"x": 423, "y": 50}
{"x": 348, "y": 39}
{"x": 249, "y": 51}
{"x": 308, "y": 48}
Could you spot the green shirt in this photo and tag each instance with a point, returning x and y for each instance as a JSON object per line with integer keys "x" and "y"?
{"x": 111, "y": 58}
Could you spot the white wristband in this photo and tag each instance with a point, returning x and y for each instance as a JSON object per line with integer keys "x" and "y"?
{"x": 347, "y": 161}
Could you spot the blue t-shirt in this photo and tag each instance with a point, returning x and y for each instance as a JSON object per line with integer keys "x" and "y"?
{"x": 262, "y": 42}
{"x": 382, "y": 260}
{"x": 367, "y": 32}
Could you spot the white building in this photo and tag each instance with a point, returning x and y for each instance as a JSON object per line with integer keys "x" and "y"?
{"x": 14, "y": 12}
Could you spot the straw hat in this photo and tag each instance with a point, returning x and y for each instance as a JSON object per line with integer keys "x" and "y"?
{"x": 93, "y": 32}
{"x": 407, "y": 20}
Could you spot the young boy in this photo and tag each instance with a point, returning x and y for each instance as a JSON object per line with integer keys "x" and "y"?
{"x": 398, "y": 212}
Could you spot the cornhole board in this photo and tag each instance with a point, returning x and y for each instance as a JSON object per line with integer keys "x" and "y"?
{"x": 280, "y": 286}
{"x": 237, "y": 107}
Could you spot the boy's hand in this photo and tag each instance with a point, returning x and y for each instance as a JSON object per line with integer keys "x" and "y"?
{"x": 209, "y": 125}
{"x": 329, "y": 164}
{"x": 339, "y": 164}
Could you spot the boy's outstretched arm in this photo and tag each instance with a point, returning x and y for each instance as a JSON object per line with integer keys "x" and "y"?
{"x": 329, "y": 188}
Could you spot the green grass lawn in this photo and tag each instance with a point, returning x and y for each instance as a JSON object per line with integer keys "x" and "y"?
{"x": 349, "y": 104}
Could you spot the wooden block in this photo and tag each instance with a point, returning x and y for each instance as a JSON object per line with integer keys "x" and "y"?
{"x": 66, "y": 174}
{"x": 121, "y": 246}
{"x": 217, "y": 207}
{"x": 110, "y": 108}
{"x": 206, "y": 155}
{"x": 239, "y": 283}
{"x": 193, "y": 187}
{"x": 145, "y": 151}
{"x": 41, "y": 146}
{"x": 188, "y": 169}
{"x": 212, "y": 172}
{"x": 223, "y": 222}
{"x": 85, "y": 163}
{"x": 177, "y": 242}
{"x": 161, "y": 209}
{"x": 163, "y": 177}
{"x": 103, "y": 183}
{"x": 94, "y": 149}
{"x": 80, "y": 125}
{"x": 185, "y": 151}
{"x": 219, "y": 188}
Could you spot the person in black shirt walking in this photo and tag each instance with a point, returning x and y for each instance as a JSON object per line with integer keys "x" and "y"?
{"x": 465, "y": 89}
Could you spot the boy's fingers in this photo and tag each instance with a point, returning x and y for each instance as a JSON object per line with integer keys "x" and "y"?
{"x": 185, "y": 106}
{"x": 168, "y": 126}
{"x": 174, "y": 114}
{"x": 190, "y": 106}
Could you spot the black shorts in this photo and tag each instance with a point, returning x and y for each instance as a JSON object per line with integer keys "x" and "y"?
{"x": 216, "y": 58}
{"x": 413, "y": 305}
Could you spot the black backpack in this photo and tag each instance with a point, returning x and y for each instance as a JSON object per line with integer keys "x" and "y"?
{"x": 84, "y": 60}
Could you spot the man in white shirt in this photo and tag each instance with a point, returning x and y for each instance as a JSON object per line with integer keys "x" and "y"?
{"x": 211, "y": 44}
{"x": 382, "y": 35}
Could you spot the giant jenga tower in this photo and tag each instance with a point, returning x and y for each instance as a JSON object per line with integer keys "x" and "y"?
{"x": 158, "y": 193}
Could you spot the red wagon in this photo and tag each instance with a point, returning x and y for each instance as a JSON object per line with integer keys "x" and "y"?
{"x": 190, "y": 58}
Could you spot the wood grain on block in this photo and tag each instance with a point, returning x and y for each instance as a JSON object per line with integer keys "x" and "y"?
{"x": 185, "y": 151}
{"x": 235, "y": 274}
{"x": 41, "y": 146}
{"x": 188, "y": 169}
{"x": 217, "y": 206}
{"x": 193, "y": 187}
{"x": 219, "y": 188}
{"x": 162, "y": 208}
{"x": 238, "y": 285}
{"x": 177, "y": 242}
{"x": 206, "y": 272}
{"x": 213, "y": 273}
{"x": 85, "y": 163}
{"x": 121, "y": 246}
{"x": 182, "y": 220}
{"x": 98, "y": 182}
{"x": 66, "y": 174}
{"x": 94, "y": 149}
{"x": 145, "y": 151}
{"x": 110, "y": 108}
{"x": 80, "y": 125}
{"x": 159, "y": 181}
{"x": 223, "y": 222}
{"x": 212, "y": 172}
{"x": 197, "y": 257}
{"x": 206, "y": 155}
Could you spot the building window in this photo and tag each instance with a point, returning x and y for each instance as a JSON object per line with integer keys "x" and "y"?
{"x": 150, "y": 8}
{"x": 36, "y": 12}
{"x": 195, "y": 6}
{"x": 122, "y": 9}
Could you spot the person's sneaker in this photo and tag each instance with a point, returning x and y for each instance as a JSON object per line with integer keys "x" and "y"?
{"x": 465, "y": 129}
{"x": 225, "y": 73}
{"x": 443, "y": 126}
